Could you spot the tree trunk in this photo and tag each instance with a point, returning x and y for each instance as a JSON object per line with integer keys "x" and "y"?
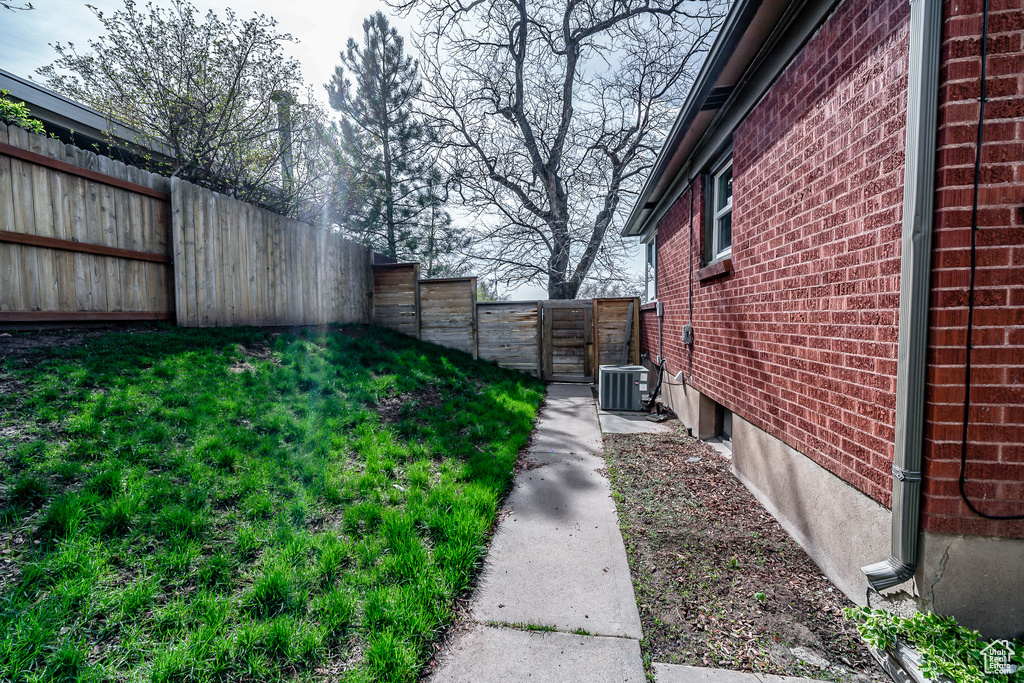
{"x": 389, "y": 198}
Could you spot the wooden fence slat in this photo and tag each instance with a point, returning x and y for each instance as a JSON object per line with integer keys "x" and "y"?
{"x": 108, "y": 226}
{"x": 146, "y": 240}
{"x": 258, "y": 254}
{"x": 64, "y": 261}
{"x": 94, "y": 233}
{"x": 194, "y": 254}
{"x": 136, "y": 218}
{"x": 125, "y": 240}
{"x": 221, "y": 265}
{"x": 24, "y": 219}
{"x": 43, "y": 207}
{"x": 181, "y": 302}
{"x": 240, "y": 282}
{"x": 10, "y": 271}
{"x": 77, "y": 210}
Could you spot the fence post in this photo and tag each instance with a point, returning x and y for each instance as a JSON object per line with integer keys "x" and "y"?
{"x": 476, "y": 317}
{"x": 416, "y": 300}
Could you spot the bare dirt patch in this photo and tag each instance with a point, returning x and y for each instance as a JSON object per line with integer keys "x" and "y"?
{"x": 257, "y": 351}
{"x": 719, "y": 583}
{"x": 9, "y": 386}
{"x": 22, "y": 344}
{"x": 390, "y": 409}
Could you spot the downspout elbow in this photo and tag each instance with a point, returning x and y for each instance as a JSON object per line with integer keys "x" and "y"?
{"x": 888, "y": 573}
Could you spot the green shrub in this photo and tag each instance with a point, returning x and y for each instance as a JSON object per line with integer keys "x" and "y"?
{"x": 18, "y": 114}
{"x": 946, "y": 647}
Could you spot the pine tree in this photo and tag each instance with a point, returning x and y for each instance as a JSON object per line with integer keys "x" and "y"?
{"x": 388, "y": 197}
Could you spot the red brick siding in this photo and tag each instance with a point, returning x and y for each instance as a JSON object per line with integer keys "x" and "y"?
{"x": 996, "y": 453}
{"x": 800, "y": 338}
{"x": 674, "y": 279}
{"x": 649, "y": 331}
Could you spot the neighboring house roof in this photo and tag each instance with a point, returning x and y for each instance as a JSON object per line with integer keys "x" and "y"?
{"x": 757, "y": 40}
{"x": 78, "y": 124}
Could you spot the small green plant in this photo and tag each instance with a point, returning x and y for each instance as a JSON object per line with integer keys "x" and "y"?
{"x": 524, "y": 626}
{"x": 18, "y": 114}
{"x": 946, "y": 647}
{"x": 734, "y": 562}
{"x": 760, "y": 597}
{"x": 541, "y": 628}
{"x": 29, "y": 491}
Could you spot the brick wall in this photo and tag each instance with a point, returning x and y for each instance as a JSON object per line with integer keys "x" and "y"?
{"x": 649, "y": 330}
{"x": 800, "y": 338}
{"x": 996, "y": 454}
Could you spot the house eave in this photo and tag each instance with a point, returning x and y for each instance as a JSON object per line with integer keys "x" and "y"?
{"x": 88, "y": 126}
{"x": 731, "y": 73}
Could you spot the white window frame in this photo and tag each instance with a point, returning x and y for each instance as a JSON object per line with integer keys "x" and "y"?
{"x": 651, "y": 263}
{"x": 718, "y": 214}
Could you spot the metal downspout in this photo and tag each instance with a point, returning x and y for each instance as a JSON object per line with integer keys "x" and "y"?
{"x": 915, "y": 272}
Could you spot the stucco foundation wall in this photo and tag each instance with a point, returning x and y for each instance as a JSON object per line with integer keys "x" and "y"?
{"x": 839, "y": 527}
{"x": 682, "y": 400}
{"x": 977, "y": 579}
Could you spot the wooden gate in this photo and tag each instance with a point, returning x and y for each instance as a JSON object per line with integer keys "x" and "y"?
{"x": 568, "y": 342}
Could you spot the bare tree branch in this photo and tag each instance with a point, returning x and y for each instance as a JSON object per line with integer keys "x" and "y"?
{"x": 551, "y": 112}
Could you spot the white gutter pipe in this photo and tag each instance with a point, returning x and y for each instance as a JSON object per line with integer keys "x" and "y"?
{"x": 915, "y": 275}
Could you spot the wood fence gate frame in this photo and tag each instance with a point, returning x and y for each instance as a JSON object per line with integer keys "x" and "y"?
{"x": 548, "y": 338}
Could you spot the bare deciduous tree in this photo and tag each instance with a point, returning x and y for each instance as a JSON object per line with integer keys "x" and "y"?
{"x": 552, "y": 111}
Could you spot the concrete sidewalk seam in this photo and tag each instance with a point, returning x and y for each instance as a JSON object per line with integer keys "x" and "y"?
{"x": 546, "y": 628}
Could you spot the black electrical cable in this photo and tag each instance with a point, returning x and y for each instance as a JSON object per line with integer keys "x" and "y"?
{"x": 689, "y": 349}
{"x": 970, "y": 291}
{"x": 691, "y": 253}
{"x": 657, "y": 387}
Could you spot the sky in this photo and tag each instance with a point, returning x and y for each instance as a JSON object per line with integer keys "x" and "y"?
{"x": 321, "y": 27}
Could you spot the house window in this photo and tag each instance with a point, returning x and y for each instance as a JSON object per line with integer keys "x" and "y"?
{"x": 651, "y": 270}
{"x": 720, "y": 234}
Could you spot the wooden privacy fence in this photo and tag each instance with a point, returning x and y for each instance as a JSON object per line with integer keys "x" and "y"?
{"x": 236, "y": 264}
{"x": 87, "y": 238}
{"x": 82, "y": 237}
{"x": 508, "y": 332}
{"x": 555, "y": 340}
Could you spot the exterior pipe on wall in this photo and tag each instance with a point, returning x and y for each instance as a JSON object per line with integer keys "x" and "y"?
{"x": 915, "y": 271}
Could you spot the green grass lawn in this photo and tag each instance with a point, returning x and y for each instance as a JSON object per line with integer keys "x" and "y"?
{"x": 197, "y": 505}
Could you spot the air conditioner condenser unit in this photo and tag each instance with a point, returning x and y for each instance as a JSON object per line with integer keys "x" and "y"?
{"x": 622, "y": 387}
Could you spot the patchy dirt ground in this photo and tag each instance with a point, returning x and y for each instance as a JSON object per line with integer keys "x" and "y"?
{"x": 718, "y": 582}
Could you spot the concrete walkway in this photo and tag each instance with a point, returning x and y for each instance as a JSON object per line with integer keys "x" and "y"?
{"x": 557, "y": 560}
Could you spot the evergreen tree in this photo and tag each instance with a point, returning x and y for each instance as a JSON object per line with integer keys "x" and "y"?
{"x": 441, "y": 246}
{"x": 388, "y": 192}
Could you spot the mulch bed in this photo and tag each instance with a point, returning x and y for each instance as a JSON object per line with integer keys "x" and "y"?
{"x": 718, "y": 581}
